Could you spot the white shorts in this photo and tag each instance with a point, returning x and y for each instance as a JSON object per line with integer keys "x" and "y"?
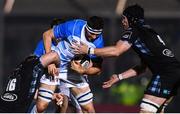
{"x": 49, "y": 80}
{"x": 63, "y": 89}
{"x": 63, "y": 79}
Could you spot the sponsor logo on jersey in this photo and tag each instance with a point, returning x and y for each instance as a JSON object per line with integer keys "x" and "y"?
{"x": 168, "y": 53}
{"x": 127, "y": 35}
{"x": 9, "y": 97}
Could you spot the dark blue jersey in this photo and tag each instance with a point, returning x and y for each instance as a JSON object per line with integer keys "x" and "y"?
{"x": 152, "y": 49}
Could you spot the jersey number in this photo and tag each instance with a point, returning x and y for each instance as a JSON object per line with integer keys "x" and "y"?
{"x": 11, "y": 85}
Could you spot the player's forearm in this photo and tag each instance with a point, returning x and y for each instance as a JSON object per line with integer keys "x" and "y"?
{"x": 47, "y": 38}
{"x": 89, "y": 71}
{"x": 140, "y": 68}
{"x": 128, "y": 74}
{"x": 106, "y": 51}
{"x": 92, "y": 71}
{"x": 116, "y": 50}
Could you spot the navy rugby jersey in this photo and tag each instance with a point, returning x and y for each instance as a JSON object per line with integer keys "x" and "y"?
{"x": 151, "y": 49}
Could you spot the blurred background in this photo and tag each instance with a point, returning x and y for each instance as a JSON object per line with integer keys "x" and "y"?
{"x": 22, "y": 23}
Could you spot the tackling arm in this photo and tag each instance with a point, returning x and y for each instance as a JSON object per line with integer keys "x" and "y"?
{"x": 135, "y": 71}
{"x": 116, "y": 50}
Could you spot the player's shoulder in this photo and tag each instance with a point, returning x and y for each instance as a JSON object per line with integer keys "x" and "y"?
{"x": 74, "y": 21}
{"x": 99, "y": 42}
{"x": 80, "y": 21}
{"x": 77, "y": 22}
{"x": 127, "y": 34}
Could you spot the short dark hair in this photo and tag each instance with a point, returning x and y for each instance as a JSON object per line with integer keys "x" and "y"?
{"x": 134, "y": 13}
{"x": 95, "y": 22}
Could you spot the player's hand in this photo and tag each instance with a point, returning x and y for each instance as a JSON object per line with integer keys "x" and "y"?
{"x": 52, "y": 70}
{"x": 81, "y": 48}
{"x": 76, "y": 66}
{"x": 113, "y": 79}
{"x": 58, "y": 97}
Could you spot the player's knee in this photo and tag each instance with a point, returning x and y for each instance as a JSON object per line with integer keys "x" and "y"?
{"x": 89, "y": 109}
{"x": 85, "y": 100}
{"x": 148, "y": 106}
{"x": 44, "y": 97}
{"x": 40, "y": 107}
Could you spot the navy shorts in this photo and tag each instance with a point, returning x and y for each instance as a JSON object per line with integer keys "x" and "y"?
{"x": 163, "y": 86}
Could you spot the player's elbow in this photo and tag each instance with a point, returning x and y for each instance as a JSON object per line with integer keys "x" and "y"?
{"x": 120, "y": 48}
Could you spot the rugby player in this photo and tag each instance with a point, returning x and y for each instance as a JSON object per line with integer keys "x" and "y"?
{"x": 154, "y": 53}
{"x": 70, "y": 32}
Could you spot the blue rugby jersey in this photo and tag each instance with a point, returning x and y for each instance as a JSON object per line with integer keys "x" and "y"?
{"x": 69, "y": 32}
{"x": 39, "y": 50}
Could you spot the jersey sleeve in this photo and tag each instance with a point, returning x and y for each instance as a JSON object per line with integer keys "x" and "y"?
{"x": 63, "y": 30}
{"x": 99, "y": 43}
{"x": 39, "y": 50}
{"x": 127, "y": 36}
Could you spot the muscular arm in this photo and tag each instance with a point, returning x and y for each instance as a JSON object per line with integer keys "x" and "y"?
{"x": 48, "y": 36}
{"x": 135, "y": 71}
{"x": 129, "y": 73}
{"x": 109, "y": 51}
{"x": 94, "y": 70}
{"x": 138, "y": 69}
{"x": 116, "y": 50}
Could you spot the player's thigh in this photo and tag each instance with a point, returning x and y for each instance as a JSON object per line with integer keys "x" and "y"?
{"x": 84, "y": 98}
{"x": 151, "y": 104}
{"x": 45, "y": 95}
{"x": 76, "y": 91}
